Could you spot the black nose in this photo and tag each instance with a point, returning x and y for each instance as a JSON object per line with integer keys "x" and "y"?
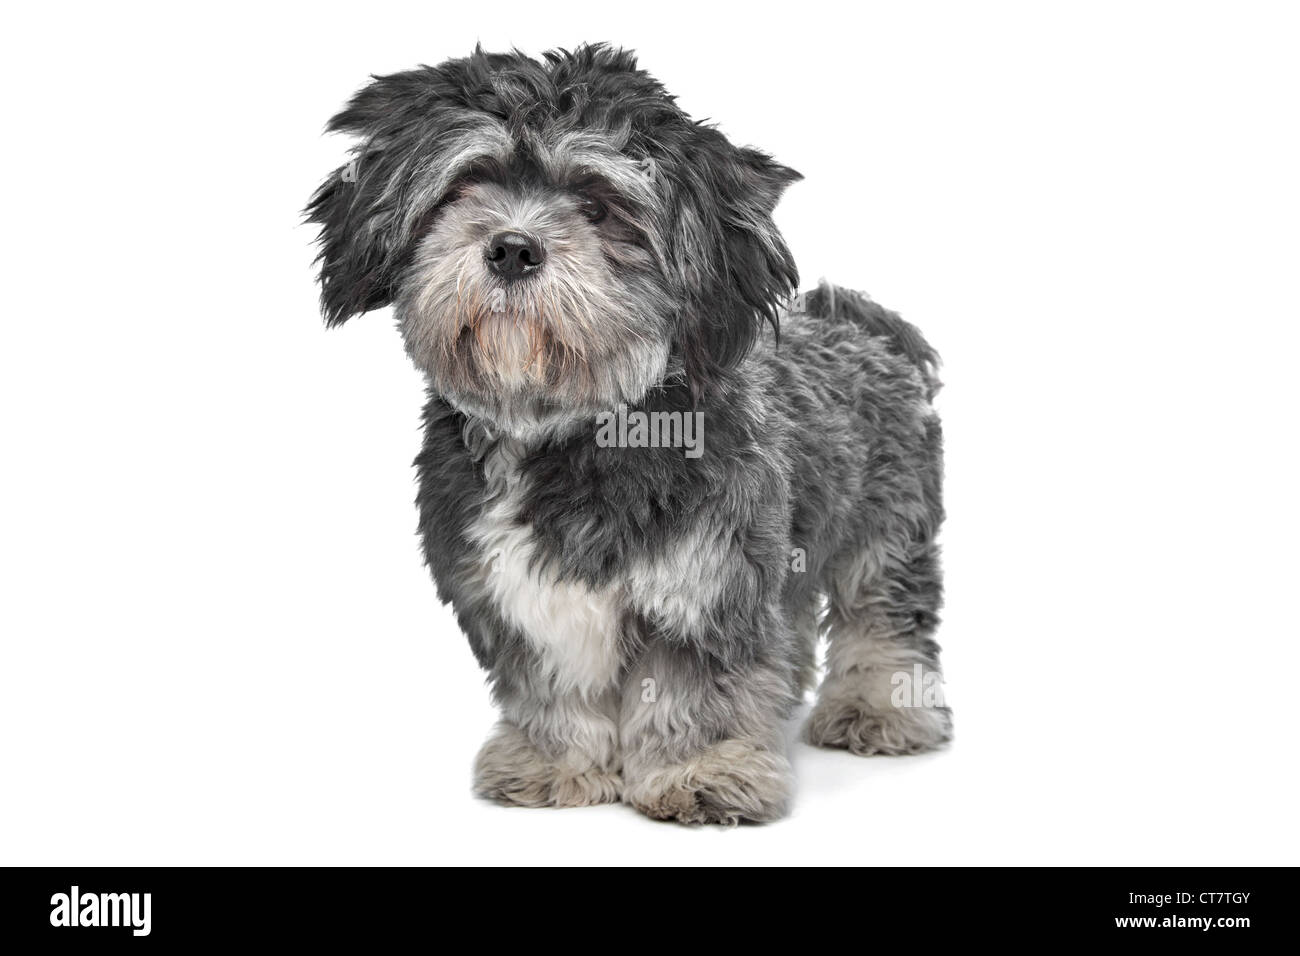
{"x": 512, "y": 255}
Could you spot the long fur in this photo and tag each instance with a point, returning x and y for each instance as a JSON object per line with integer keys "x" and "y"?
{"x": 647, "y": 619}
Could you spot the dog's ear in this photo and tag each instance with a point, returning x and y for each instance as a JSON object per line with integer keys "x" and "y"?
{"x": 737, "y": 272}
{"x": 356, "y": 223}
{"x": 355, "y": 255}
{"x": 368, "y": 210}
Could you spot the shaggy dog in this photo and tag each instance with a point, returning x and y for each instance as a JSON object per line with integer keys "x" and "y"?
{"x": 642, "y": 508}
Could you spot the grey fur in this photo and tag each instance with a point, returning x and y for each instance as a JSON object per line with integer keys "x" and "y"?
{"x": 644, "y": 624}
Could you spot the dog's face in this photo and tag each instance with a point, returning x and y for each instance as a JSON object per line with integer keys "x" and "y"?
{"x": 556, "y": 236}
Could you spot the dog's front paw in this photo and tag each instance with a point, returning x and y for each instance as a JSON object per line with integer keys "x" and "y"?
{"x": 848, "y": 722}
{"x": 511, "y": 770}
{"x": 729, "y": 782}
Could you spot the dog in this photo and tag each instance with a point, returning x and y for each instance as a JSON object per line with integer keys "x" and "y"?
{"x": 584, "y": 274}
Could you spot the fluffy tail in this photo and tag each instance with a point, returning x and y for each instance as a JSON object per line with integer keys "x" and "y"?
{"x": 833, "y": 302}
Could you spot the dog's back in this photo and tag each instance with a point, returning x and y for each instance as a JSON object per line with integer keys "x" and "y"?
{"x": 838, "y": 304}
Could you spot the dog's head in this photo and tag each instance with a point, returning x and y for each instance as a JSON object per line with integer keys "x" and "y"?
{"x": 556, "y": 236}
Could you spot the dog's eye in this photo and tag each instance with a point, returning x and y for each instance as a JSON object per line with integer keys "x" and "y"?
{"x": 592, "y": 208}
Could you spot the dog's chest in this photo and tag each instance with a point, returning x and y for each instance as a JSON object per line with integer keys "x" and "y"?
{"x": 573, "y": 629}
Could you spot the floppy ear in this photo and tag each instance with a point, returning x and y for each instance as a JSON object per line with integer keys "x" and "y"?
{"x": 359, "y": 220}
{"x": 355, "y": 256}
{"x": 367, "y": 210}
{"x": 737, "y": 270}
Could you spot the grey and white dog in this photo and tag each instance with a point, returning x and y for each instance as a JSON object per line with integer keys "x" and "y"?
{"x": 563, "y": 248}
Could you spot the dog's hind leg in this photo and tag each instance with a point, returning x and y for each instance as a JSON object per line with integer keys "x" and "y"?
{"x": 882, "y": 692}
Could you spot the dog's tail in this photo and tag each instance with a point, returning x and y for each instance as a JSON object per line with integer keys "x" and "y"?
{"x": 833, "y": 302}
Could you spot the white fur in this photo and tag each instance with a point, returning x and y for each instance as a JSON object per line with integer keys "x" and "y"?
{"x": 677, "y": 590}
{"x": 573, "y": 629}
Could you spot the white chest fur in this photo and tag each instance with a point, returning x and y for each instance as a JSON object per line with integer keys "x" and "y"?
{"x": 573, "y": 629}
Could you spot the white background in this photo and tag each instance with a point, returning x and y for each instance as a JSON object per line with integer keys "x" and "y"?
{"x": 220, "y": 645}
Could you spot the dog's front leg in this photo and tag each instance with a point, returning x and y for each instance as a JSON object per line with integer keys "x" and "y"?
{"x": 553, "y": 747}
{"x": 702, "y": 735}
